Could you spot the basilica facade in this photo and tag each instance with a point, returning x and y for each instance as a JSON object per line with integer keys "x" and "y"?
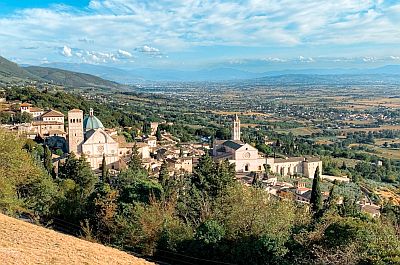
{"x": 87, "y": 135}
{"x": 247, "y": 158}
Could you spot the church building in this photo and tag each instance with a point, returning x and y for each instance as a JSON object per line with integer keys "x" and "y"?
{"x": 245, "y": 157}
{"x": 248, "y": 159}
{"x": 88, "y": 136}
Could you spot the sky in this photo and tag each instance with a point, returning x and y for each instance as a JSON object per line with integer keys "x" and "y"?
{"x": 253, "y": 35}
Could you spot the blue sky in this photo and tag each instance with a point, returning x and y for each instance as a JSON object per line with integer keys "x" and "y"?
{"x": 255, "y": 35}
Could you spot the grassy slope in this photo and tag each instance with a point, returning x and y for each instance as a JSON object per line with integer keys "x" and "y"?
{"x": 23, "y": 243}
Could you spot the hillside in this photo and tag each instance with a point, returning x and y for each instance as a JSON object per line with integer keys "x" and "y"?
{"x": 24, "y": 243}
{"x": 10, "y": 71}
{"x": 71, "y": 79}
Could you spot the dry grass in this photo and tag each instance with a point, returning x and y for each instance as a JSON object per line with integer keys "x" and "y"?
{"x": 300, "y": 131}
{"x": 22, "y": 243}
{"x": 376, "y": 129}
{"x": 389, "y": 196}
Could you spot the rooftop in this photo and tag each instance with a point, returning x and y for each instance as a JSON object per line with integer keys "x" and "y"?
{"x": 37, "y": 123}
{"x": 35, "y": 109}
{"x": 75, "y": 110}
{"x": 92, "y": 122}
{"x": 53, "y": 113}
{"x": 233, "y": 144}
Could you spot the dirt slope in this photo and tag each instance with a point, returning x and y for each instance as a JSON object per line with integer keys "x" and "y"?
{"x": 23, "y": 243}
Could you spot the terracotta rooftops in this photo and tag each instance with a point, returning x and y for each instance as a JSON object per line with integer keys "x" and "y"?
{"x": 53, "y": 113}
{"x": 37, "y": 123}
{"x": 75, "y": 110}
{"x": 35, "y": 109}
{"x": 289, "y": 159}
{"x": 297, "y": 159}
{"x": 25, "y": 104}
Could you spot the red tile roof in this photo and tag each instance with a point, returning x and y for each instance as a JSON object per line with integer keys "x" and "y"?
{"x": 53, "y": 113}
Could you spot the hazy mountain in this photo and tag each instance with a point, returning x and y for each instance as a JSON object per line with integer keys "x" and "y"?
{"x": 131, "y": 76}
{"x": 331, "y": 79}
{"x": 149, "y": 74}
{"x": 10, "y": 71}
{"x": 388, "y": 69}
{"x": 71, "y": 79}
{"x": 105, "y": 72}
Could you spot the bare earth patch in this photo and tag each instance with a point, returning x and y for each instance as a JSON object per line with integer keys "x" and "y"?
{"x": 23, "y": 243}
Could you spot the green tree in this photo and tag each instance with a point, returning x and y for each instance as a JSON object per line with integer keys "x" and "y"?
{"x": 330, "y": 203}
{"x": 316, "y": 196}
{"x": 135, "y": 163}
{"x": 80, "y": 172}
{"x": 47, "y": 160}
{"x": 104, "y": 170}
{"x": 24, "y": 185}
{"x": 163, "y": 175}
{"x": 210, "y": 232}
{"x": 158, "y": 134}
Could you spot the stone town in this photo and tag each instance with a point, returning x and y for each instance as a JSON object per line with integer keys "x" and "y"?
{"x": 86, "y": 135}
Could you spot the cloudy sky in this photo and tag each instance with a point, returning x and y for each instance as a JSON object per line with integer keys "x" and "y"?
{"x": 256, "y": 35}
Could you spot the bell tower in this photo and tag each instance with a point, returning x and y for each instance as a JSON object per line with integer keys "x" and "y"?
{"x": 75, "y": 131}
{"x": 236, "y": 129}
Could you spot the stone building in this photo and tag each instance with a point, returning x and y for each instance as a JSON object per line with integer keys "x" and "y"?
{"x": 88, "y": 136}
{"x": 34, "y": 111}
{"x": 295, "y": 166}
{"x": 248, "y": 159}
{"x": 245, "y": 157}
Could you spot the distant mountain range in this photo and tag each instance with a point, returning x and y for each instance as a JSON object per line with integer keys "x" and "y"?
{"x": 140, "y": 75}
{"x": 98, "y": 76}
{"x": 10, "y": 72}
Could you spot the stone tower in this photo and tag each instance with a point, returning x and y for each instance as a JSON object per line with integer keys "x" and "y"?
{"x": 75, "y": 131}
{"x": 236, "y": 129}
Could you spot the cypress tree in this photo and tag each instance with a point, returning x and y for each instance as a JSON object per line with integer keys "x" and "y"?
{"x": 136, "y": 162}
{"x": 163, "y": 174}
{"x": 158, "y": 134}
{"x": 47, "y": 160}
{"x": 330, "y": 202}
{"x": 104, "y": 170}
{"x": 316, "y": 197}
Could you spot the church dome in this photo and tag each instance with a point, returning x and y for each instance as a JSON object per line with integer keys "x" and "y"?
{"x": 92, "y": 122}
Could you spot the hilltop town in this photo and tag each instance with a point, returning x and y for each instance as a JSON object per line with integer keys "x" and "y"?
{"x": 85, "y": 135}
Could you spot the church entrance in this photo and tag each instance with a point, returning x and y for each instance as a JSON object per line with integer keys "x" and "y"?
{"x": 246, "y": 167}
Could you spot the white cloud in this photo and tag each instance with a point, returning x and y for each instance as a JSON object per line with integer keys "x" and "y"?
{"x": 124, "y": 54}
{"x": 274, "y": 59}
{"x": 306, "y": 59}
{"x": 148, "y": 49}
{"x": 67, "y": 51}
{"x": 369, "y": 59}
{"x": 175, "y": 26}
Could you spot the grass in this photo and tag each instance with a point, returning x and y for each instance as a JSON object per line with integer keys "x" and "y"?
{"x": 301, "y": 131}
{"x": 23, "y": 243}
